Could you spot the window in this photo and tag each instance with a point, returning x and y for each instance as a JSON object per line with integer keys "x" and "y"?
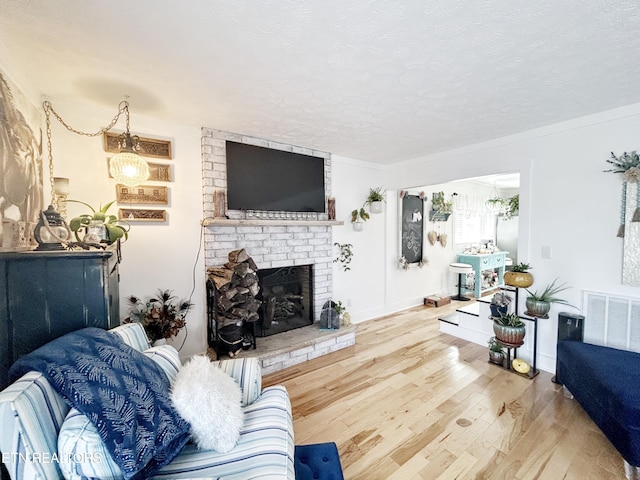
{"x": 471, "y": 226}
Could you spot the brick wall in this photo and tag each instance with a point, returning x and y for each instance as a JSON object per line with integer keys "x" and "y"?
{"x": 271, "y": 246}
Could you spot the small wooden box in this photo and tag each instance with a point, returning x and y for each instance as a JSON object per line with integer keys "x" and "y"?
{"x": 436, "y": 301}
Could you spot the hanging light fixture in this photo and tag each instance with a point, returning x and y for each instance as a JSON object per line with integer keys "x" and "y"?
{"x": 127, "y": 167}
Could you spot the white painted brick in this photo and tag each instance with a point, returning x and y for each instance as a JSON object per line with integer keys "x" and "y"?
{"x": 296, "y": 255}
{"x": 275, "y": 359}
{"x": 255, "y": 141}
{"x": 304, "y": 236}
{"x": 275, "y": 229}
{"x": 317, "y": 241}
{"x": 284, "y": 249}
{"x": 319, "y": 353}
{"x": 303, "y": 248}
{"x": 249, "y": 229}
{"x": 319, "y": 229}
{"x": 281, "y": 263}
{"x": 223, "y": 245}
{"x": 280, "y": 146}
{"x": 221, "y": 183}
{"x": 297, "y": 229}
{"x": 276, "y": 243}
{"x": 282, "y": 236}
{"x": 217, "y": 229}
{"x": 274, "y": 257}
{"x": 296, "y": 243}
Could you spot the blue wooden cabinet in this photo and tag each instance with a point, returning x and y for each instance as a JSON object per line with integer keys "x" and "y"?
{"x": 491, "y": 261}
{"x": 44, "y": 295}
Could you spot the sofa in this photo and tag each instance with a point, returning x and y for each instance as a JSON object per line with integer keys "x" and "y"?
{"x": 606, "y": 383}
{"x": 33, "y": 415}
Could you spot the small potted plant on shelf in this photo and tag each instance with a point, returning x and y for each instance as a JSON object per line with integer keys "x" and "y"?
{"x": 161, "y": 316}
{"x": 376, "y": 200}
{"x": 98, "y": 225}
{"x": 519, "y": 276}
{"x": 499, "y": 304}
{"x": 509, "y": 329}
{"x": 539, "y": 304}
{"x": 496, "y": 353}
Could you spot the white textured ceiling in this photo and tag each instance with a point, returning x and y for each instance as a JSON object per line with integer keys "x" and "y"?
{"x": 380, "y": 81}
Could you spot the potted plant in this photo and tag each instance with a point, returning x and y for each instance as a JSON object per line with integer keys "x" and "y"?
{"x": 98, "y": 225}
{"x": 495, "y": 204}
{"x": 513, "y": 207}
{"x": 440, "y": 205}
{"x": 376, "y": 200}
{"x": 358, "y": 217}
{"x": 499, "y": 304}
{"x": 539, "y": 304}
{"x": 161, "y": 316}
{"x": 496, "y": 353}
{"x": 519, "y": 276}
{"x": 509, "y": 329}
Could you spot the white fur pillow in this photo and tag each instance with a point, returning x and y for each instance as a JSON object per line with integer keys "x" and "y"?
{"x": 209, "y": 400}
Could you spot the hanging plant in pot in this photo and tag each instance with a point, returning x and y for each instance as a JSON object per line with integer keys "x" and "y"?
{"x": 519, "y": 276}
{"x": 376, "y": 200}
{"x": 499, "y": 304}
{"x": 539, "y": 304}
{"x": 358, "y": 217}
{"x": 509, "y": 330}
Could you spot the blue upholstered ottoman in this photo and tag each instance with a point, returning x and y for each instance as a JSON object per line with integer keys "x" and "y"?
{"x": 319, "y": 461}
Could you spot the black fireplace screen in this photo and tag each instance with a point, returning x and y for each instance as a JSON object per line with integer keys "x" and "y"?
{"x": 286, "y": 295}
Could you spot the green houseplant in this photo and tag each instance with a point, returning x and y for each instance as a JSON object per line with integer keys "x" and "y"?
{"x": 375, "y": 200}
{"x": 358, "y": 217}
{"x": 115, "y": 229}
{"x": 162, "y": 316}
{"x": 519, "y": 276}
{"x": 539, "y": 304}
{"x": 345, "y": 255}
{"x": 509, "y": 329}
{"x": 513, "y": 207}
{"x": 496, "y": 353}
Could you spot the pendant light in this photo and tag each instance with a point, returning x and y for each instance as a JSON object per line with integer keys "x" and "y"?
{"x": 127, "y": 167}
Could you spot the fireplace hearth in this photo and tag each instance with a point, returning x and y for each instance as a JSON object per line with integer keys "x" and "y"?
{"x": 286, "y": 295}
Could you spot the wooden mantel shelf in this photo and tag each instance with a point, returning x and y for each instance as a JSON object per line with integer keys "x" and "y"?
{"x": 210, "y": 222}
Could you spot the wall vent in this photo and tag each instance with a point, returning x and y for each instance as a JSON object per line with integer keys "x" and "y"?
{"x": 612, "y": 320}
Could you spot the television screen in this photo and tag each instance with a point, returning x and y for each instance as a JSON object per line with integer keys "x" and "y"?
{"x": 261, "y": 178}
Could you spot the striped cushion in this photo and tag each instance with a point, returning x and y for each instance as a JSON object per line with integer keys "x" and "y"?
{"x": 265, "y": 449}
{"x": 79, "y": 443}
{"x": 248, "y": 374}
{"x": 167, "y": 357}
{"x": 133, "y": 334}
{"x": 30, "y": 415}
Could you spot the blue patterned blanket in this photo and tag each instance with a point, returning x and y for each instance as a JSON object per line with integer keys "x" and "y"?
{"x": 124, "y": 393}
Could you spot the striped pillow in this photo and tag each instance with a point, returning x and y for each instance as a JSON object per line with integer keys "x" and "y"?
{"x": 81, "y": 451}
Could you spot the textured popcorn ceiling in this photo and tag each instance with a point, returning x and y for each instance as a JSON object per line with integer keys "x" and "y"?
{"x": 381, "y": 81}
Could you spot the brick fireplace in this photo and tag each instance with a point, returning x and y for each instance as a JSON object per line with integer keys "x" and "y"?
{"x": 272, "y": 243}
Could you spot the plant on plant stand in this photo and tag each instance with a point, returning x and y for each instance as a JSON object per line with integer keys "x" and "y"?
{"x": 161, "y": 316}
{"x": 99, "y": 226}
{"x": 519, "y": 276}
{"x": 375, "y": 200}
{"x": 496, "y": 353}
{"x": 509, "y": 329}
{"x": 539, "y": 304}
{"x": 499, "y": 304}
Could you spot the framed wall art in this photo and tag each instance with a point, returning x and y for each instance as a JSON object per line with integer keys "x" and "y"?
{"x": 149, "y": 147}
{"x": 142, "y": 194}
{"x": 142, "y": 215}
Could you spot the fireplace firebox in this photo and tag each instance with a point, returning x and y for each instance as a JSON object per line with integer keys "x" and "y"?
{"x": 287, "y": 299}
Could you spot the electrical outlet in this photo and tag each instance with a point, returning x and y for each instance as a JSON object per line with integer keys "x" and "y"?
{"x": 348, "y": 302}
{"x": 546, "y": 252}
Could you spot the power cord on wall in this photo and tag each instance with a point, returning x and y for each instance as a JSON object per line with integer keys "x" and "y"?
{"x": 193, "y": 280}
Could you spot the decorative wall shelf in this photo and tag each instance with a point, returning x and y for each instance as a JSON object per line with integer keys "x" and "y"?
{"x": 210, "y": 222}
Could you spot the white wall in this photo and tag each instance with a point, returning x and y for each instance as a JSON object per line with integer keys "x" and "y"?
{"x": 156, "y": 256}
{"x": 567, "y": 203}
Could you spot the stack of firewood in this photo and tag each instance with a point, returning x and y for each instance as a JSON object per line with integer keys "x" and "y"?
{"x": 236, "y": 288}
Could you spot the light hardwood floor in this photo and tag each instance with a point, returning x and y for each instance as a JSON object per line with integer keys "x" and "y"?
{"x": 408, "y": 402}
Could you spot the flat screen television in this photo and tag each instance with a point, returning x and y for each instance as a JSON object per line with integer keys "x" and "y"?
{"x": 260, "y": 178}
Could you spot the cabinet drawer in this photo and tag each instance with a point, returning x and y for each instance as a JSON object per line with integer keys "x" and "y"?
{"x": 497, "y": 261}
